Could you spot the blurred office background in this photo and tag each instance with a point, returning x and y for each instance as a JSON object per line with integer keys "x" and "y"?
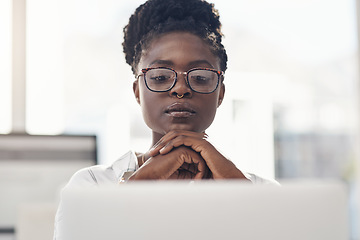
{"x": 292, "y": 86}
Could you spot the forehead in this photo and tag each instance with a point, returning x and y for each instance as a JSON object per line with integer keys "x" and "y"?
{"x": 179, "y": 50}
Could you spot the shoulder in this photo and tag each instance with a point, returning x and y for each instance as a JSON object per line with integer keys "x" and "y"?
{"x": 255, "y": 179}
{"x": 90, "y": 176}
{"x": 96, "y": 176}
{"x": 103, "y": 174}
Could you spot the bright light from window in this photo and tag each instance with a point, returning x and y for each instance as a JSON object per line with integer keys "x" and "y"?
{"x": 5, "y": 66}
{"x": 306, "y": 52}
{"x": 45, "y": 80}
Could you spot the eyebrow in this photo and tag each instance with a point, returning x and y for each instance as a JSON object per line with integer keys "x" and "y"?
{"x": 171, "y": 63}
{"x": 162, "y": 62}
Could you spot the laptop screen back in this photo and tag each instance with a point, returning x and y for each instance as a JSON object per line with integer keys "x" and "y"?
{"x": 206, "y": 210}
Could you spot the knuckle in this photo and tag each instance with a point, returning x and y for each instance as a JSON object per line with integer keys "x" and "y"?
{"x": 183, "y": 152}
{"x": 183, "y": 148}
{"x": 181, "y": 138}
{"x": 174, "y": 132}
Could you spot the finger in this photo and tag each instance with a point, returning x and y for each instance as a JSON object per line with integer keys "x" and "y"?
{"x": 170, "y": 136}
{"x": 194, "y": 143}
{"x": 159, "y": 167}
{"x": 180, "y": 163}
{"x": 172, "y": 144}
{"x": 181, "y": 174}
{"x": 152, "y": 151}
{"x": 193, "y": 168}
{"x": 193, "y": 164}
{"x": 202, "y": 169}
{"x": 198, "y": 167}
{"x": 199, "y": 176}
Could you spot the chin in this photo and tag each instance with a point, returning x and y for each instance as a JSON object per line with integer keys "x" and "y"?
{"x": 185, "y": 127}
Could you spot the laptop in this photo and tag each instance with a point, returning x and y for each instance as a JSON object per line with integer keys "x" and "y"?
{"x": 209, "y": 210}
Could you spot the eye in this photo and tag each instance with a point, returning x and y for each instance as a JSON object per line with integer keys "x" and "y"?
{"x": 200, "y": 79}
{"x": 159, "y": 78}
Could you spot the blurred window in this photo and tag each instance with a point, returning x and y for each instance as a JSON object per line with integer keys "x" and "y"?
{"x": 291, "y": 82}
{"x": 5, "y": 66}
{"x": 291, "y": 102}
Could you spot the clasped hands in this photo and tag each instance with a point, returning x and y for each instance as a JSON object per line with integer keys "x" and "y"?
{"x": 186, "y": 155}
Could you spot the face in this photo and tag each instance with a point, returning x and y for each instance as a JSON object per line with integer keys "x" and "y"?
{"x": 164, "y": 111}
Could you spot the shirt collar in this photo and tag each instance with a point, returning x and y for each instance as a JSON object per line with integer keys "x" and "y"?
{"x": 126, "y": 163}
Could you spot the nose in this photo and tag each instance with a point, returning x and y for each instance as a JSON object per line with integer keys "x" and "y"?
{"x": 181, "y": 87}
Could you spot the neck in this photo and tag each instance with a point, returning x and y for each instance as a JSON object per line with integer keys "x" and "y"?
{"x": 156, "y": 137}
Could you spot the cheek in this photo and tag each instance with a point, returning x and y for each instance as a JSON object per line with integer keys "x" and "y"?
{"x": 208, "y": 112}
{"x": 149, "y": 106}
{"x": 145, "y": 102}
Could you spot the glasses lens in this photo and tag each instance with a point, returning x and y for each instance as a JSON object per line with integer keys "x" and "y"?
{"x": 203, "y": 81}
{"x": 160, "y": 79}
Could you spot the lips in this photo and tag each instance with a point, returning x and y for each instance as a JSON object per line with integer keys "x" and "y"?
{"x": 180, "y": 110}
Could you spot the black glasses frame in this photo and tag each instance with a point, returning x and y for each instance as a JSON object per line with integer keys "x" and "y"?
{"x": 145, "y": 70}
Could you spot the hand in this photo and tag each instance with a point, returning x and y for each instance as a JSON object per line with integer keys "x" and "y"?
{"x": 181, "y": 163}
{"x": 220, "y": 167}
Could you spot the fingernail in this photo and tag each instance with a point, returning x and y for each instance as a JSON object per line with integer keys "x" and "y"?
{"x": 161, "y": 150}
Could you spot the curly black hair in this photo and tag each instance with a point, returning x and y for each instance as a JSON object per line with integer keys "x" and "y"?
{"x": 156, "y": 17}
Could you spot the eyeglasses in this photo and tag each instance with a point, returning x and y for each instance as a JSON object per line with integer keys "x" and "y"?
{"x": 163, "y": 79}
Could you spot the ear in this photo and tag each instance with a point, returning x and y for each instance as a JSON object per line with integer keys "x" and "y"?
{"x": 136, "y": 90}
{"x": 221, "y": 94}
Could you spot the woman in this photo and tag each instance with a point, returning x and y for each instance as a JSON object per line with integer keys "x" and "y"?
{"x": 174, "y": 49}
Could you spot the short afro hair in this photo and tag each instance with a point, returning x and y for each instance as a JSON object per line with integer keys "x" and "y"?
{"x": 156, "y": 17}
